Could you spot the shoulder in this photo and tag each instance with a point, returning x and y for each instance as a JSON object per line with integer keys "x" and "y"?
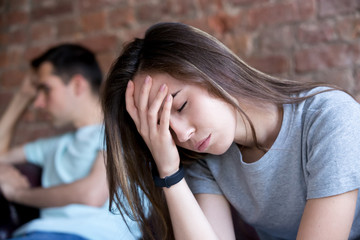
{"x": 90, "y": 133}
{"x": 326, "y": 105}
{"x": 91, "y": 136}
{"x": 325, "y": 97}
{"x": 50, "y": 141}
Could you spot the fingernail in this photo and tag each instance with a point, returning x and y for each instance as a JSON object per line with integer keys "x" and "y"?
{"x": 162, "y": 87}
{"x": 147, "y": 79}
{"x": 168, "y": 98}
{"x": 128, "y": 84}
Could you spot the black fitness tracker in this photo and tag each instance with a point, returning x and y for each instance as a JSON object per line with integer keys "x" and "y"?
{"x": 168, "y": 181}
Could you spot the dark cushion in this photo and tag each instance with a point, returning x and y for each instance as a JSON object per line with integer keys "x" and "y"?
{"x": 14, "y": 215}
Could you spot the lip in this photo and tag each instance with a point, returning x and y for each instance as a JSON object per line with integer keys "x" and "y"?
{"x": 203, "y": 144}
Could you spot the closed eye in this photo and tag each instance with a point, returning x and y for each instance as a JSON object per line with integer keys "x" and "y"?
{"x": 44, "y": 88}
{"x": 182, "y": 107}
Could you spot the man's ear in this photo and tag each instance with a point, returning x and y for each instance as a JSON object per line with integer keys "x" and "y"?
{"x": 80, "y": 85}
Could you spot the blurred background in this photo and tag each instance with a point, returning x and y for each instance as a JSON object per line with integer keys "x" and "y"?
{"x": 296, "y": 39}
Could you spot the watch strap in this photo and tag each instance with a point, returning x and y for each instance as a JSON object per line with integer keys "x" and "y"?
{"x": 168, "y": 181}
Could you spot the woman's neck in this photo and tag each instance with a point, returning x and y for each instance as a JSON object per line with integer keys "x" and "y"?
{"x": 267, "y": 120}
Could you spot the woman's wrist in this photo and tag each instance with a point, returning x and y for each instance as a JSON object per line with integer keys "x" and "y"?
{"x": 171, "y": 179}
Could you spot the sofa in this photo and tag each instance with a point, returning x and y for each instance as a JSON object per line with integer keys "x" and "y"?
{"x": 14, "y": 215}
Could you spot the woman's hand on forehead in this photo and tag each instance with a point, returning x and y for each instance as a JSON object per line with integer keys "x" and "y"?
{"x": 154, "y": 130}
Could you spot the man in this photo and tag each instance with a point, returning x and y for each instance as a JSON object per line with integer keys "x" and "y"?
{"x": 74, "y": 193}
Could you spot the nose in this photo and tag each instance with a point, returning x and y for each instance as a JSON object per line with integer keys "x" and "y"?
{"x": 182, "y": 129}
{"x": 39, "y": 101}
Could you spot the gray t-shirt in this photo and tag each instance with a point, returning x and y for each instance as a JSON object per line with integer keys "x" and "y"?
{"x": 316, "y": 154}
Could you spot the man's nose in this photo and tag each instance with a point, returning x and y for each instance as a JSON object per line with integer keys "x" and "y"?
{"x": 39, "y": 101}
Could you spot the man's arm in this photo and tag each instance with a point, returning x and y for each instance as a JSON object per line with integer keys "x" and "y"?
{"x": 8, "y": 121}
{"x": 91, "y": 190}
{"x": 13, "y": 156}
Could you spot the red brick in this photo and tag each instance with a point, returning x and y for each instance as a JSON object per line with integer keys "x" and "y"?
{"x": 200, "y": 23}
{"x": 67, "y": 27}
{"x": 355, "y": 51}
{"x": 223, "y": 22}
{"x": 19, "y": 36}
{"x": 306, "y": 9}
{"x": 210, "y": 6}
{"x": 317, "y": 32}
{"x": 334, "y": 7}
{"x": 150, "y": 12}
{"x": 3, "y": 5}
{"x": 317, "y": 58}
{"x": 184, "y": 8}
{"x": 121, "y": 17}
{"x": 42, "y": 31}
{"x": 15, "y": 36}
{"x": 34, "y": 52}
{"x": 44, "y": 4}
{"x": 18, "y": 4}
{"x": 106, "y": 59}
{"x": 241, "y": 43}
{"x": 276, "y": 39}
{"x": 16, "y": 17}
{"x": 13, "y": 57}
{"x": 12, "y": 78}
{"x": 3, "y": 24}
{"x": 170, "y": 9}
{"x": 101, "y": 43}
{"x": 246, "y": 2}
{"x": 129, "y": 35}
{"x": 274, "y": 64}
{"x": 4, "y": 39}
{"x": 272, "y": 14}
{"x": 281, "y": 12}
{"x": 3, "y": 59}
{"x": 86, "y": 5}
{"x": 341, "y": 77}
{"x": 357, "y": 80}
{"x": 349, "y": 28}
{"x": 93, "y": 21}
{"x": 55, "y": 9}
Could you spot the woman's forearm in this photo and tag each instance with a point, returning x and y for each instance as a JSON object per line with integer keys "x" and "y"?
{"x": 188, "y": 220}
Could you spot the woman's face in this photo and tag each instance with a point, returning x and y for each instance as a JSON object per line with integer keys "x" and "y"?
{"x": 199, "y": 121}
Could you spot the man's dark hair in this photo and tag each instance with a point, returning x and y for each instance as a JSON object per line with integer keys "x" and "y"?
{"x": 71, "y": 59}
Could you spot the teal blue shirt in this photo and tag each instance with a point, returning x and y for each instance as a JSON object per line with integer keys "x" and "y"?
{"x": 65, "y": 159}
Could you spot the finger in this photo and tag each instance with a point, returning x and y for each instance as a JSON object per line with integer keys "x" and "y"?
{"x": 165, "y": 115}
{"x": 130, "y": 103}
{"x": 155, "y": 108}
{"x": 143, "y": 105}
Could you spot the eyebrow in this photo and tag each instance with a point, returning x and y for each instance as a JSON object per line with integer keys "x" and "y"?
{"x": 42, "y": 86}
{"x": 174, "y": 94}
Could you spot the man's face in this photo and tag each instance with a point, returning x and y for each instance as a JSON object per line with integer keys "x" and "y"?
{"x": 54, "y": 97}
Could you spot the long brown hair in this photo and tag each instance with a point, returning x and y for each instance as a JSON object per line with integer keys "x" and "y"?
{"x": 192, "y": 56}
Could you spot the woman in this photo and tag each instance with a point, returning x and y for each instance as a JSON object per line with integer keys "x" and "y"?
{"x": 283, "y": 154}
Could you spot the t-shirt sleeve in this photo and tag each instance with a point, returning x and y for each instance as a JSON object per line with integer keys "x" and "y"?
{"x": 102, "y": 142}
{"x": 200, "y": 179}
{"x": 332, "y": 136}
{"x": 36, "y": 152}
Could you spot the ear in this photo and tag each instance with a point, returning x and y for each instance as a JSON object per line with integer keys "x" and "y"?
{"x": 79, "y": 84}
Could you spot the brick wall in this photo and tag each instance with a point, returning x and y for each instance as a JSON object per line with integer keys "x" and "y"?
{"x": 297, "y": 39}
